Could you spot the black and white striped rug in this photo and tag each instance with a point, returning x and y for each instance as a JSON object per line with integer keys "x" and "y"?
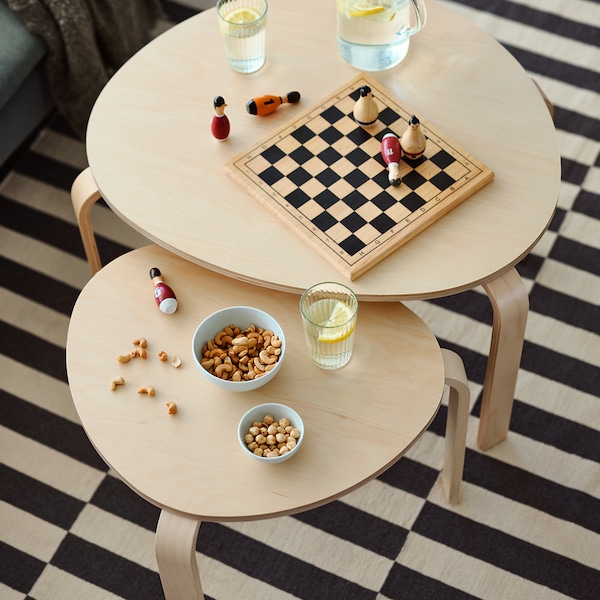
{"x": 528, "y": 526}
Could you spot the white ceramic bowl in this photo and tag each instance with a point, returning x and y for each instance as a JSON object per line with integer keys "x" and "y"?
{"x": 240, "y": 316}
{"x": 277, "y": 411}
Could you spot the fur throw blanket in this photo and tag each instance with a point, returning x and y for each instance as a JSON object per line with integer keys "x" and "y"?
{"x": 87, "y": 41}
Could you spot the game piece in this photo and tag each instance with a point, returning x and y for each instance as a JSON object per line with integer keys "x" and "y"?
{"x": 220, "y": 123}
{"x": 323, "y": 175}
{"x": 413, "y": 140}
{"x": 163, "y": 294}
{"x": 267, "y": 104}
{"x": 365, "y": 110}
{"x": 391, "y": 153}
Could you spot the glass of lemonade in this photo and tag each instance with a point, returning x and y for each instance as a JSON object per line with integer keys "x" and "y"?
{"x": 329, "y": 313}
{"x": 374, "y": 35}
{"x": 243, "y": 25}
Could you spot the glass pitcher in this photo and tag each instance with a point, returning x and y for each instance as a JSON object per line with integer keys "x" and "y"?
{"x": 374, "y": 35}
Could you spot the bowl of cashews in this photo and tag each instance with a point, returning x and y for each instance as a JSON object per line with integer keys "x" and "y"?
{"x": 271, "y": 432}
{"x": 239, "y": 348}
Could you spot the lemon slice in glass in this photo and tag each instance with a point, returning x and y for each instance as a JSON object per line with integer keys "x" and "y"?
{"x": 337, "y": 328}
{"x": 242, "y": 15}
{"x": 364, "y": 9}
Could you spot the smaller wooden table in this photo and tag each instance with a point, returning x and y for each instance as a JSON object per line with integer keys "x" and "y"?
{"x": 358, "y": 420}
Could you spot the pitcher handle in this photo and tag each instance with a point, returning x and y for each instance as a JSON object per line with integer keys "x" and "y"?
{"x": 420, "y": 16}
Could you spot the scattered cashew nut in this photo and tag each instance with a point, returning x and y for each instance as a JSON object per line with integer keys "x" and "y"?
{"x": 163, "y": 355}
{"x": 139, "y": 351}
{"x": 171, "y": 407}
{"x": 115, "y": 381}
{"x": 176, "y": 362}
{"x": 123, "y": 358}
{"x": 141, "y": 342}
{"x": 146, "y": 389}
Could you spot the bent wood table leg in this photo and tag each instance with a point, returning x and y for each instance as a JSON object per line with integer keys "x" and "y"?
{"x": 456, "y": 424}
{"x": 175, "y": 548}
{"x": 84, "y": 194}
{"x": 510, "y": 304}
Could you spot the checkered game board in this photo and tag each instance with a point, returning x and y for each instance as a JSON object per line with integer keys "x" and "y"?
{"x": 325, "y": 176}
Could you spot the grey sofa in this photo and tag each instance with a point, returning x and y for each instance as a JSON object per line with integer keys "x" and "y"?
{"x": 25, "y": 100}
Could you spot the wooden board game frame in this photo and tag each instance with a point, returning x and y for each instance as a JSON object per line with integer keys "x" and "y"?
{"x": 323, "y": 174}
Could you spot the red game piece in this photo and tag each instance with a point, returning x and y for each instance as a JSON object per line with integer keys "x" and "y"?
{"x": 220, "y": 123}
{"x": 391, "y": 153}
{"x": 163, "y": 294}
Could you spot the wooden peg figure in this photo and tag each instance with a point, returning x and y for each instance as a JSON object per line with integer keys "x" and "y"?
{"x": 413, "y": 140}
{"x": 391, "y": 153}
{"x": 219, "y": 126}
{"x": 264, "y": 105}
{"x": 365, "y": 109}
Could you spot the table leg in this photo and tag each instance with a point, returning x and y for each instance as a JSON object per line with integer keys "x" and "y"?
{"x": 176, "y": 537}
{"x": 84, "y": 194}
{"x": 510, "y": 304}
{"x": 456, "y": 424}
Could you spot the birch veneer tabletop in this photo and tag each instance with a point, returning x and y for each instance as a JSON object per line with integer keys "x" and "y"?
{"x": 157, "y": 165}
{"x": 358, "y": 420}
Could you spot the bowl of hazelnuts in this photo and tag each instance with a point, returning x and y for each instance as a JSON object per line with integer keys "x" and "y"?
{"x": 271, "y": 432}
{"x": 239, "y": 348}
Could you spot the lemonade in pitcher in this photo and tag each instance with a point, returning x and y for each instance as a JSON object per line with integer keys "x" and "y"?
{"x": 374, "y": 35}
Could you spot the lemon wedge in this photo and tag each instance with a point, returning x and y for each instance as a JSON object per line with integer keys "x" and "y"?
{"x": 352, "y": 10}
{"x": 365, "y": 10}
{"x": 242, "y": 15}
{"x": 337, "y": 328}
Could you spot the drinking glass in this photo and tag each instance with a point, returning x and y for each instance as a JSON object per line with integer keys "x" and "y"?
{"x": 329, "y": 313}
{"x": 243, "y": 25}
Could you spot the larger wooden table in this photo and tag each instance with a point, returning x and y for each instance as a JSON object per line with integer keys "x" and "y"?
{"x": 154, "y": 161}
{"x": 358, "y": 420}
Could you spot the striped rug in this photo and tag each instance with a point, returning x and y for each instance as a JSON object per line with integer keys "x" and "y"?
{"x": 528, "y": 526}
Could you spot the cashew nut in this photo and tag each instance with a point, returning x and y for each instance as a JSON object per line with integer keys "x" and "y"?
{"x": 146, "y": 389}
{"x": 163, "y": 355}
{"x": 216, "y": 352}
{"x": 266, "y": 359}
{"x": 139, "y": 351}
{"x": 217, "y": 338}
{"x": 171, "y": 407}
{"x": 176, "y": 362}
{"x": 222, "y": 370}
{"x": 115, "y": 381}
{"x": 141, "y": 342}
{"x": 123, "y": 358}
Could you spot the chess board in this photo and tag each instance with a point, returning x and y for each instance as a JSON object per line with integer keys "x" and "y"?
{"x": 324, "y": 175}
